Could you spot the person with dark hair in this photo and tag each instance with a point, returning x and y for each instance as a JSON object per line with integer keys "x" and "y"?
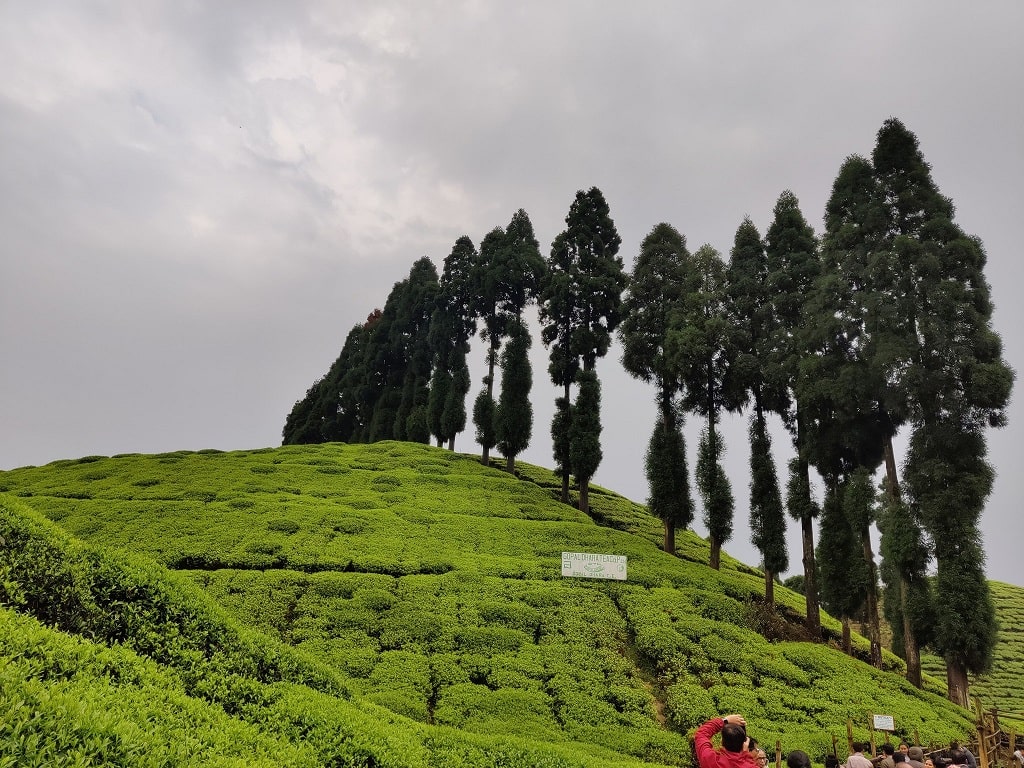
{"x": 831, "y": 761}
{"x": 798, "y": 759}
{"x": 884, "y": 759}
{"x": 857, "y": 759}
{"x": 734, "y": 752}
{"x": 899, "y": 758}
{"x": 971, "y": 760}
{"x": 904, "y": 747}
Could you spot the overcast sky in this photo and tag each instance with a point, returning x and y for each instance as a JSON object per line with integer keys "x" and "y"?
{"x": 199, "y": 200}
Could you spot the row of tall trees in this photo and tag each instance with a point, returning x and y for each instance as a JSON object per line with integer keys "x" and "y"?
{"x": 882, "y": 324}
{"x": 403, "y": 374}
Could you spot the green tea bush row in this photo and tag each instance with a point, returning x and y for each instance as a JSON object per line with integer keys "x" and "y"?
{"x": 66, "y": 702}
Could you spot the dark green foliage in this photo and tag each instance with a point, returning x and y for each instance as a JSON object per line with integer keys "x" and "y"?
{"x": 714, "y": 488}
{"x": 947, "y": 480}
{"x": 656, "y": 292}
{"x": 302, "y": 426}
{"x": 440, "y": 395}
{"x": 904, "y": 568}
{"x": 700, "y": 347}
{"x": 451, "y": 327}
{"x": 754, "y": 367}
{"x": 947, "y": 362}
{"x": 656, "y": 289}
{"x": 398, "y": 359}
{"x": 840, "y": 559}
{"x": 665, "y": 466}
{"x": 580, "y": 303}
{"x": 793, "y": 268}
{"x": 561, "y": 433}
{"x": 585, "y": 430}
{"x": 513, "y": 417}
{"x": 767, "y": 518}
{"x": 794, "y": 582}
{"x": 484, "y": 409}
{"x": 800, "y": 502}
{"x": 453, "y": 418}
{"x": 417, "y": 428}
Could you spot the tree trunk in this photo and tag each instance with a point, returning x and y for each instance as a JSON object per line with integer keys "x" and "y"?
{"x": 485, "y": 458}
{"x": 871, "y": 603}
{"x": 715, "y": 560}
{"x": 451, "y": 443}
{"x": 810, "y": 578}
{"x": 847, "y": 640}
{"x": 909, "y": 641}
{"x": 716, "y": 553}
{"x": 807, "y": 531}
{"x": 910, "y": 648}
{"x": 565, "y": 470}
{"x": 769, "y": 587}
{"x": 668, "y": 423}
{"x": 585, "y": 497}
{"x": 956, "y": 683}
{"x": 510, "y": 464}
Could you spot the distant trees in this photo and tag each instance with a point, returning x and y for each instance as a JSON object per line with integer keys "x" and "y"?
{"x": 885, "y": 324}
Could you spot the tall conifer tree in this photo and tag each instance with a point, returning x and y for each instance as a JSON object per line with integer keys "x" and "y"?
{"x": 956, "y": 385}
{"x": 752, "y": 371}
{"x": 580, "y": 309}
{"x": 793, "y": 267}
{"x": 700, "y": 347}
{"x": 452, "y": 326}
{"x": 655, "y": 296}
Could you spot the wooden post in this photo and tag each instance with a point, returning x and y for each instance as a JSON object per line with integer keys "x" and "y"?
{"x": 835, "y": 748}
{"x": 917, "y": 739}
{"x": 982, "y": 745}
{"x": 849, "y": 734}
{"x": 778, "y": 754}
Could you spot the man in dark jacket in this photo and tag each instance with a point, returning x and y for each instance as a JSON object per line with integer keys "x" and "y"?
{"x": 734, "y": 753}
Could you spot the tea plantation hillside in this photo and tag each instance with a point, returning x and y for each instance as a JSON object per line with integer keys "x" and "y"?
{"x": 388, "y": 604}
{"x": 1001, "y": 687}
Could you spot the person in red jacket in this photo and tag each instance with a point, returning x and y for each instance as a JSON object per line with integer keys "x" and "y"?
{"x": 734, "y": 753}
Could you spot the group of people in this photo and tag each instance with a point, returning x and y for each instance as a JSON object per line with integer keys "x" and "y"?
{"x": 741, "y": 751}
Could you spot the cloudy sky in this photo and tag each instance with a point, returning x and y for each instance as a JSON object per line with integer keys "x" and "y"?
{"x": 199, "y": 200}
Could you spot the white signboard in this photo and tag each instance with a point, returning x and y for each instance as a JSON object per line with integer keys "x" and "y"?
{"x": 590, "y": 566}
{"x": 883, "y": 722}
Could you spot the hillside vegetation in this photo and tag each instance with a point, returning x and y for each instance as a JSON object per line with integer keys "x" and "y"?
{"x": 389, "y": 605}
{"x": 1001, "y": 687}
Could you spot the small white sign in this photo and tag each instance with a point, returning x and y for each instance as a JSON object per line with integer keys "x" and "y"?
{"x": 590, "y": 566}
{"x": 883, "y": 723}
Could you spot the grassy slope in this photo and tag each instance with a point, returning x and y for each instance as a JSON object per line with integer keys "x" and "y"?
{"x": 424, "y": 583}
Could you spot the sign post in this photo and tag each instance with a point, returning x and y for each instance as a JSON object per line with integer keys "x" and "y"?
{"x": 881, "y": 723}
{"x": 587, "y": 565}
